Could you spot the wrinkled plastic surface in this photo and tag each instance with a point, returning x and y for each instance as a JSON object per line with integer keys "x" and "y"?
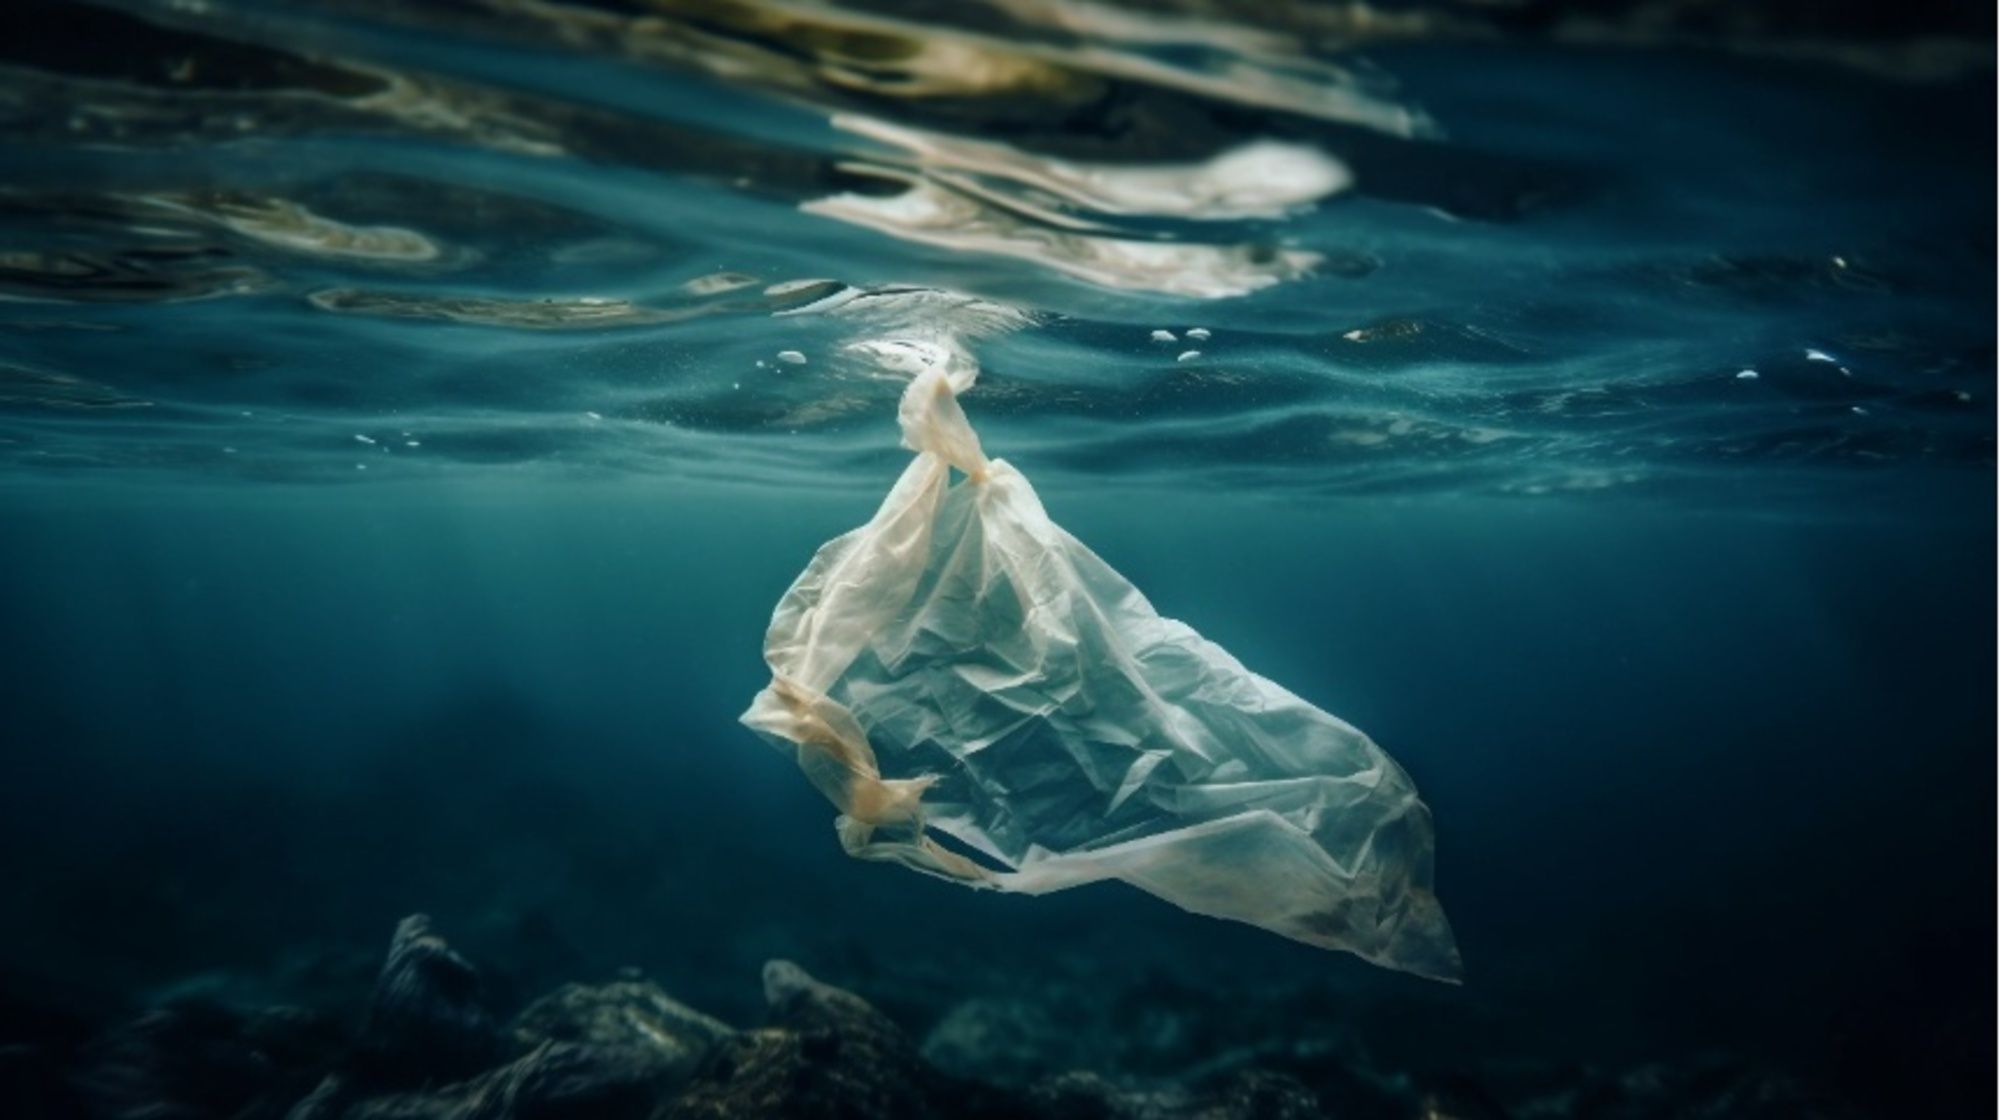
{"x": 961, "y": 666}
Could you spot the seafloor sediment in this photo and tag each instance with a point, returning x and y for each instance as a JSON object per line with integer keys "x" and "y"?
{"x": 431, "y": 1046}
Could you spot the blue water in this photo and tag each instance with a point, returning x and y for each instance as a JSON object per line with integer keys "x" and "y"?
{"x": 1625, "y": 466}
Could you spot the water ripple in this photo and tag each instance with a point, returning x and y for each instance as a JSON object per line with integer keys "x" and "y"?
{"x": 370, "y": 240}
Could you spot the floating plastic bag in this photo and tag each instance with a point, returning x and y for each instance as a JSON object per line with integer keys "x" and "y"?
{"x": 961, "y": 666}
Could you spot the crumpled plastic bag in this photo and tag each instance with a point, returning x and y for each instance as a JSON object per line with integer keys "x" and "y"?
{"x": 961, "y": 666}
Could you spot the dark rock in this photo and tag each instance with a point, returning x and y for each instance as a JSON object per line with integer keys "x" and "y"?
{"x": 626, "y": 1050}
{"x": 827, "y": 1055}
{"x": 1256, "y": 1095}
{"x": 326, "y": 1101}
{"x": 1248, "y": 1095}
{"x": 1462, "y": 1098}
{"x": 1150, "y": 1029}
{"x": 431, "y": 1051}
{"x": 625, "y": 1011}
{"x": 295, "y": 1039}
{"x": 32, "y": 1085}
{"x": 555, "y": 1081}
{"x": 198, "y": 1060}
{"x": 1704, "y": 1089}
{"x": 1078, "y": 1096}
{"x": 562, "y": 1080}
{"x": 635, "y": 1018}
{"x": 428, "y": 1021}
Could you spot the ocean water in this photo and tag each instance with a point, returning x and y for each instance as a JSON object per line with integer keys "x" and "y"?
{"x": 410, "y": 415}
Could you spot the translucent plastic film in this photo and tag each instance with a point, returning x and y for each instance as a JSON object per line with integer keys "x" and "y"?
{"x": 962, "y": 666}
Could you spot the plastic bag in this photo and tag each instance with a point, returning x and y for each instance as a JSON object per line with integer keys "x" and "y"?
{"x": 961, "y": 666}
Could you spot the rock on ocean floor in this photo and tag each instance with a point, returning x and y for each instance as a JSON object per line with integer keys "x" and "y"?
{"x": 432, "y": 1047}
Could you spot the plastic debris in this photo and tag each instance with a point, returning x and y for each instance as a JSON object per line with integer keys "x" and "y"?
{"x": 985, "y": 700}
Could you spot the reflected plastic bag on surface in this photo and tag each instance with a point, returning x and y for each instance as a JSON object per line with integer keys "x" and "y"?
{"x": 961, "y": 666}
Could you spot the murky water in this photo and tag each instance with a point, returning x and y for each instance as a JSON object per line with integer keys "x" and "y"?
{"x": 409, "y": 414}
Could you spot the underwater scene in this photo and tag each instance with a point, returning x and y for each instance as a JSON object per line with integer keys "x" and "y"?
{"x": 1124, "y": 559}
